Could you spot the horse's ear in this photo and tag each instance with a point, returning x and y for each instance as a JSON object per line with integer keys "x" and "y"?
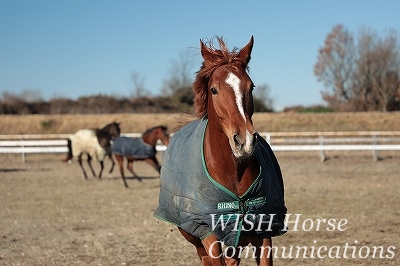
{"x": 206, "y": 52}
{"x": 245, "y": 53}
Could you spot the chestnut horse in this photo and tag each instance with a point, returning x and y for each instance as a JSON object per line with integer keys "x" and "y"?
{"x": 221, "y": 184}
{"x": 95, "y": 143}
{"x": 139, "y": 149}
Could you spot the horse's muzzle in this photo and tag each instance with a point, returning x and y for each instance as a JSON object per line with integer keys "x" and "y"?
{"x": 243, "y": 147}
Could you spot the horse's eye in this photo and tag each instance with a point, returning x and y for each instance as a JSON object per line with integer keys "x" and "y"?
{"x": 214, "y": 90}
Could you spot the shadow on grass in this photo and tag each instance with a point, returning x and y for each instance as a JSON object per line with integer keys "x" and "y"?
{"x": 10, "y": 170}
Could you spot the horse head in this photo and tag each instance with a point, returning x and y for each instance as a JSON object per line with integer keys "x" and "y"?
{"x": 164, "y": 135}
{"x": 223, "y": 93}
{"x": 113, "y": 129}
{"x": 150, "y": 136}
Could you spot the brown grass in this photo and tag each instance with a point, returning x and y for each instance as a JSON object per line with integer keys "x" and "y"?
{"x": 50, "y": 215}
{"x": 273, "y": 122}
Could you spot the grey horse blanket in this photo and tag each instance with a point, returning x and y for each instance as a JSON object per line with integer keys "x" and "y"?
{"x": 135, "y": 147}
{"x": 192, "y": 200}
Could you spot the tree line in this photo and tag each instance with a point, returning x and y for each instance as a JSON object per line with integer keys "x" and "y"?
{"x": 180, "y": 101}
{"x": 359, "y": 74}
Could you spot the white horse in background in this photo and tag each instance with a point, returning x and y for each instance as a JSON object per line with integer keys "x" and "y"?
{"x": 95, "y": 143}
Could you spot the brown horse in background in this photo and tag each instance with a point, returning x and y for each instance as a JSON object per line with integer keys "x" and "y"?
{"x": 139, "y": 149}
{"x": 221, "y": 155}
{"x": 95, "y": 143}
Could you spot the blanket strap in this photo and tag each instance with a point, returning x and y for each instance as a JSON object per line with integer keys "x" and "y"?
{"x": 241, "y": 205}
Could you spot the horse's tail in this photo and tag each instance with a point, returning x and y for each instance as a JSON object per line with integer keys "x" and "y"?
{"x": 69, "y": 155}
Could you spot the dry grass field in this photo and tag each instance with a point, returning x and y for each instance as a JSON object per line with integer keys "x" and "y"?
{"x": 51, "y": 215}
{"x": 273, "y": 122}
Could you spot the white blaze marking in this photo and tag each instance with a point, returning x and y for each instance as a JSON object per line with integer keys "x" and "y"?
{"x": 233, "y": 81}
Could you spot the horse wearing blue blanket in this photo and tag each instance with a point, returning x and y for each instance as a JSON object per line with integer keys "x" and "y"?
{"x": 221, "y": 184}
{"x": 139, "y": 149}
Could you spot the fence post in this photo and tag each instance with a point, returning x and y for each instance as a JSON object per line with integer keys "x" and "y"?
{"x": 321, "y": 151}
{"x": 375, "y": 152}
{"x": 268, "y": 138}
{"x": 22, "y": 152}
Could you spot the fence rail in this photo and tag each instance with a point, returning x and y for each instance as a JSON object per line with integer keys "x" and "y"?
{"x": 322, "y": 142}
{"x": 46, "y": 143}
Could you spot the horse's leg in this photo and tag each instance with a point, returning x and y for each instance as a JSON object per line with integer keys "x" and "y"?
{"x": 120, "y": 161}
{"x": 89, "y": 161}
{"x": 153, "y": 162}
{"x": 69, "y": 155}
{"x": 234, "y": 258}
{"x": 101, "y": 168}
{"x": 264, "y": 255}
{"x": 213, "y": 248}
{"x": 80, "y": 163}
{"x": 130, "y": 168}
{"x": 112, "y": 162}
{"x": 201, "y": 251}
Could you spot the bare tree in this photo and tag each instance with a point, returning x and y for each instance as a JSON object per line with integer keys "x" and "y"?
{"x": 262, "y": 99}
{"x": 335, "y": 66}
{"x": 180, "y": 75}
{"x": 386, "y": 71}
{"x": 26, "y": 102}
{"x": 31, "y": 95}
{"x": 138, "y": 87}
{"x": 377, "y": 73}
{"x": 359, "y": 78}
{"x": 363, "y": 71}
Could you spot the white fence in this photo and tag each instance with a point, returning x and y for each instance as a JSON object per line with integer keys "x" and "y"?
{"x": 43, "y": 143}
{"x": 373, "y": 141}
{"x": 280, "y": 141}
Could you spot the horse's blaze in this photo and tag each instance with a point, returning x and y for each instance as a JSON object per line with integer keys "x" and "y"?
{"x": 241, "y": 142}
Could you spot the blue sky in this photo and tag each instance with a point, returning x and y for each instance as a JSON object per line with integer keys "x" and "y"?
{"x": 72, "y": 48}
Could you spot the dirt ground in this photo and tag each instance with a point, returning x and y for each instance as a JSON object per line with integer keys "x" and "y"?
{"x": 50, "y": 215}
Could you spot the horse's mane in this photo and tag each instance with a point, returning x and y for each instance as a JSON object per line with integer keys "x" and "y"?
{"x": 163, "y": 128}
{"x": 182, "y": 120}
{"x": 221, "y": 57}
{"x": 108, "y": 126}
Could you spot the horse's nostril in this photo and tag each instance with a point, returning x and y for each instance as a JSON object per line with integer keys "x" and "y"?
{"x": 237, "y": 141}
